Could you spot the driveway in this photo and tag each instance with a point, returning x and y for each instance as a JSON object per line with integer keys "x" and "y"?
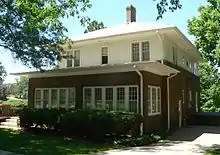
{"x": 194, "y": 140}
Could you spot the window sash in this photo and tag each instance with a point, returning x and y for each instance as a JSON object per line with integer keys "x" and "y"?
{"x": 145, "y": 49}
{"x": 135, "y": 48}
{"x": 76, "y": 58}
{"x": 154, "y": 100}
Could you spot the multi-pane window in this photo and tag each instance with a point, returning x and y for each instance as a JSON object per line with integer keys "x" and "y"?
{"x": 154, "y": 100}
{"x": 76, "y": 58}
{"x": 174, "y": 54}
{"x": 54, "y": 97}
{"x": 46, "y": 98}
{"x": 38, "y": 98}
{"x": 71, "y": 98}
{"x": 88, "y": 98}
{"x": 98, "y": 98}
{"x": 120, "y": 103}
{"x": 119, "y": 98}
{"x": 109, "y": 98}
{"x": 133, "y": 99}
{"x": 140, "y": 49}
{"x": 69, "y": 59}
{"x": 135, "y": 47}
{"x": 104, "y": 53}
{"x": 145, "y": 49}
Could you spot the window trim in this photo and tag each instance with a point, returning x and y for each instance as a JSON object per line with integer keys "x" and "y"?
{"x": 114, "y": 96}
{"x": 140, "y": 50}
{"x": 155, "y": 113}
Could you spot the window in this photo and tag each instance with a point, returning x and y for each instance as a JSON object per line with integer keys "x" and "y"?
{"x": 69, "y": 60}
{"x": 135, "y": 52}
{"x": 119, "y": 98}
{"x": 133, "y": 99}
{"x": 183, "y": 60}
{"x": 104, "y": 53}
{"x": 109, "y": 98}
{"x": 154, "y": 100}
{"x": 62, "y": 98}
{"x": 46, "y": 98}
{"x": 142, "y": 48}
{"x": 88, "y": 98}
{"x": 54, "y": 98}
{"x": 38, "y": 98}
{"x": 71, "y": 98}
{"x": 174, "y": 54}
{"x": 145, "y": 49}
{"x": 76, "y": 58}
{"x": 98, "y": 98}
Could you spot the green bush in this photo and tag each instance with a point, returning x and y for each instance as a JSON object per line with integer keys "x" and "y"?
{"x": 83, "y": 123}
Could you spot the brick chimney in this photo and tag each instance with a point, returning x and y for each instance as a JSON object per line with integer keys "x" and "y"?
{"x": 131, "y": 14}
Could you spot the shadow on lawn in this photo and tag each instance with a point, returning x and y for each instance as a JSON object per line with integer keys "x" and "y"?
{"x": 27, "y": 143}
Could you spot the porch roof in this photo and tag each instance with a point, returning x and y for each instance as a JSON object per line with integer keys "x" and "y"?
{"x": 150, "y": 66}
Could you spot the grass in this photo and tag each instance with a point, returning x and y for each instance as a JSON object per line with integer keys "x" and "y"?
{"x": 27, "y": 143}
{"x": 15, "y": 101}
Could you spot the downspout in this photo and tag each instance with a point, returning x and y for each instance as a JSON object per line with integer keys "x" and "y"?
{"x": 168, "y": 100}
{"x": 141, "y": 96}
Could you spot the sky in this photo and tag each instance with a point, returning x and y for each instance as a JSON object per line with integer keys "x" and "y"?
{"x": 112, "y": 12}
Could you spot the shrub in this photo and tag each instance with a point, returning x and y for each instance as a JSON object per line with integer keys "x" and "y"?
{"x": 95, "y": 124}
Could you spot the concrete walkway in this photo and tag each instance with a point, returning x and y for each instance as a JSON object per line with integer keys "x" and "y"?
{"x": 7, "y": 153}
{"x": 194, "y": 140}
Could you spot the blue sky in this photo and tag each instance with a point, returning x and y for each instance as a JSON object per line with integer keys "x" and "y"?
{"x": 112, "y": 12}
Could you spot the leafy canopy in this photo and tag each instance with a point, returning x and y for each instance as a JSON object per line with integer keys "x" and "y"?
{"x": 206, "y": 29}
{"x": 32, "y": 29}
{"x": 94, "y": 25}
{"x": 2, "y": 74}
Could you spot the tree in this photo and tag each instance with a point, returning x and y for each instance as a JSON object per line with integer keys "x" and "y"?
{"x": 32, "y": 29}
{"x": 94, "y": 25}
{"x": 21, "y": 87}
{"x": 2, "y": 78}
{"x": 206, "y": 29}
{"x": 164, "y": 5}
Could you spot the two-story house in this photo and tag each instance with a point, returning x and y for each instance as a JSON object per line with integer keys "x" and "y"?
{"x": 143, "y": 68}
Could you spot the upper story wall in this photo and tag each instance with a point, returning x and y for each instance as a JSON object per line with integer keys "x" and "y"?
{"x": 182, "y": 56}
{"x": 119, "y": 51}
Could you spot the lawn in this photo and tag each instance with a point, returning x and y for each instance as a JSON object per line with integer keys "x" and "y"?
{"x": 27, "y": 143}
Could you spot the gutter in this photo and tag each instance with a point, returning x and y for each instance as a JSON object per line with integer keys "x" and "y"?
{"x": 141, "y": 95}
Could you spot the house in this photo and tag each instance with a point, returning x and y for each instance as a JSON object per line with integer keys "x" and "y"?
{"x": 143, "y": 68}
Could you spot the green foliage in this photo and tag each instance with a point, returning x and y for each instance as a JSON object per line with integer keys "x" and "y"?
{"x": 2, "y": 74}
{"x": 163, "y": 5}
{"x": 206, "y": 29}
{"x": 21, "y": 87}
{"x": 94, "y": 25}
{"x": 33, "y": 31}
{"x": 94, "y": 124}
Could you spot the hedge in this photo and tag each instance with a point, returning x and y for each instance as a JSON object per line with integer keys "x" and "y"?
{"x": 82, "y": 123}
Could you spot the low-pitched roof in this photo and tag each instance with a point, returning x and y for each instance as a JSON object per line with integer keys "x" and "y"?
{"x": 122, "y": 29}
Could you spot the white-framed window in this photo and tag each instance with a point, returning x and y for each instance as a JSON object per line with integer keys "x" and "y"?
{"x": 119, "y": 98}
{"x": 104, "y": 53}
{"x": 174, "y": 49}
{"x": 76, "y": 58}
{"x": 140, "y": 51}
{"x": 54, "y": 97}
{"x": 69, "y": 59}
{"x": 154, "y": 100}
